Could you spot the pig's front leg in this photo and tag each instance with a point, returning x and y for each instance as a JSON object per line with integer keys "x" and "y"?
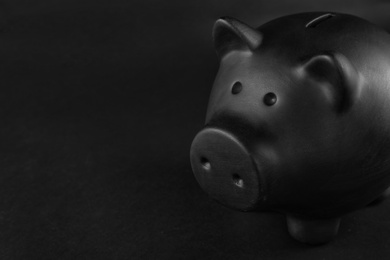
{"x": 381, "y": 198}
{"x": 312, "y": 231}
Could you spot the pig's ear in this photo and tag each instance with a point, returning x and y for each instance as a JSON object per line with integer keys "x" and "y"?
{"x": 337, "y": 78}
{"x": 230, "y": 34}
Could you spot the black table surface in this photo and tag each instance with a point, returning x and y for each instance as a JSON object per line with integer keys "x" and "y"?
{"x": 99, "y": 102}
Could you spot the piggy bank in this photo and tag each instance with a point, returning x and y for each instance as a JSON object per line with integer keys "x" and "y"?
{"x": 298, "y": 120}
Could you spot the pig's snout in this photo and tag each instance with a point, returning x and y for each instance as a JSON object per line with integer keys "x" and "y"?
{"x": 224, "y": 169}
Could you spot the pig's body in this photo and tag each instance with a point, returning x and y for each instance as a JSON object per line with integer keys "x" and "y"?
{"x": 298, "y": 119}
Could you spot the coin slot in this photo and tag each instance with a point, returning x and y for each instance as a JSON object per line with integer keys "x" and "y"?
{"x": 320, "y": 19}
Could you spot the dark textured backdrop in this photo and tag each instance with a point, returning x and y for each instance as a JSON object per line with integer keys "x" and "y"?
{"x": 99, "y": 102}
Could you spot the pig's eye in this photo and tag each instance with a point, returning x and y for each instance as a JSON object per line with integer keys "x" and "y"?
{"x": 270, "y": 99}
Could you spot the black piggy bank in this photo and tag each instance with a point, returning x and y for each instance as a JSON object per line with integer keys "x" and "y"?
{"x": 298, "y": 120}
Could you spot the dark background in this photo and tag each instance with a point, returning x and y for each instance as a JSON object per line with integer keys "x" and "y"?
{"x": 99, "y": 102}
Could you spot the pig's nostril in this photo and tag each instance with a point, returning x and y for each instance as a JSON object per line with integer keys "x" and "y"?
{"x": 237, "y": 87}
{"x": 205, "y": 163}
{"x": 237, "y": 180}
